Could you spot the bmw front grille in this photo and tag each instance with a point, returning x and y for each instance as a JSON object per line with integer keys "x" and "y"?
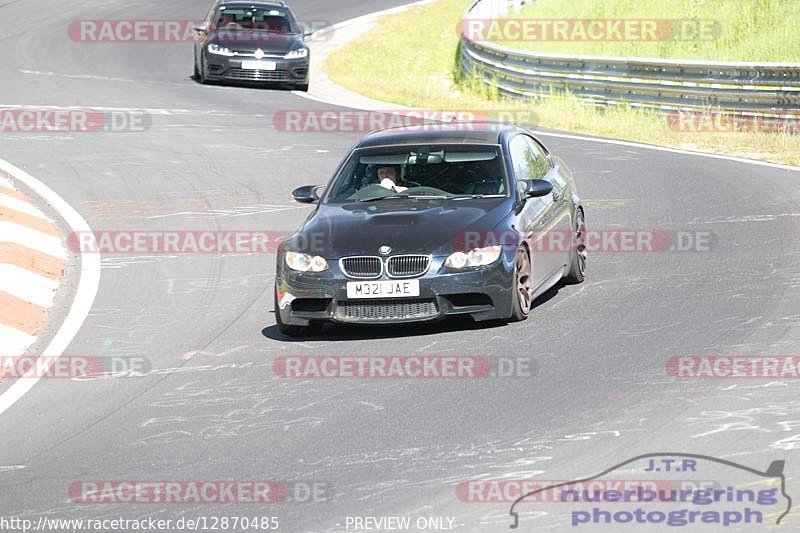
{"x": 372, "y": 267}
{"x": 362, "y": 267}
{"x": 407, "y": 266}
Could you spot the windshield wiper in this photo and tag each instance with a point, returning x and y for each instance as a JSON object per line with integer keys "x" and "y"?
{"x": 412, "y": 196}
{"x": 476, "y": 196}
{"x": 376, "y": 198}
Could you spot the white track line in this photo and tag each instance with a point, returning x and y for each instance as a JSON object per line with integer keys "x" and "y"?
{"x": 84, "y": 296}
{"x": 668, "y": 149}
{"x": 372, "y": 16}
{"x": 31, "y": 238}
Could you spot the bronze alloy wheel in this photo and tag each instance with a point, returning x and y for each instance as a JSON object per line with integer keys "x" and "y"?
{"x": 521, "y": 298}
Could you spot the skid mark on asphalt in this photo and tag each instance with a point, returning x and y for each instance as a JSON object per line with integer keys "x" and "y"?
{"x": 235, "y": 408}
{"x": 132, "y": 333}
{"x": 606, "y": 203}
{"x": 259, "y": 209}
{"x": 773, "y": 419}
{"x": 213, "y": 284}
{"x": 116, "y": 263}
{"x": 193, "y": 353}
{"x": 771, "y": 217}
{"x": 791, "y": 443}
{"x": 149, "y": 110}
{"x": 226, "y": 205}
{"x": 264, "y": 417}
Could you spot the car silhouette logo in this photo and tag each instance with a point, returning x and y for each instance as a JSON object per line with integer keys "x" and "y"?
{"x": 385, "y": 250}
{"x": 259, "y": 54}
{"x": 774, "y": 471}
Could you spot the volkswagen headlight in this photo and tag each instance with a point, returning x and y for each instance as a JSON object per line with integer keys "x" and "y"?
{"x": 306, "y": 263}
{"x": 216, "y": 49}
{"x": 476, "y": 257}
{"x": 300, "y": 53}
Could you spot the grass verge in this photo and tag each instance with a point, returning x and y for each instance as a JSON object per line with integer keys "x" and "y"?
{"x": 714, "y": 30}
{"x": 410, "y": 59}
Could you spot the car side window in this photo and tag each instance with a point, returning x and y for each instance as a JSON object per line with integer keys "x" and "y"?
{"x": 538, "y": 162}
{"x": 520, "y": 155}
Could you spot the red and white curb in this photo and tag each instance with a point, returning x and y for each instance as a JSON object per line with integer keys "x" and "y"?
{"x": 32, "y": 260}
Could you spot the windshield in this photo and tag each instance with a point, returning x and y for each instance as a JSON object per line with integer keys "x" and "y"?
{"x": 461, "y": 171}
{"x": 233, "y": 18}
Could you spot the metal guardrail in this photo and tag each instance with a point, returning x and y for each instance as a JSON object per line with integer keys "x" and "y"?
{"x": 757, "y": 88}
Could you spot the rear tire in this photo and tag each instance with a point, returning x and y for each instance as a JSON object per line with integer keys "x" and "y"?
{"x": 521, "y": 300}
{"x": 314, "y": 328}
{"x": 577, "y": 256}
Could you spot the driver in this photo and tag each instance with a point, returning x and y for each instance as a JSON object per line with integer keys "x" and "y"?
{"x": 389, "y": 178}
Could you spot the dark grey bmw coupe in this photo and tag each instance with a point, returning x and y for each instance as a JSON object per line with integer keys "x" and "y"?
{"x": 419, "y": 224}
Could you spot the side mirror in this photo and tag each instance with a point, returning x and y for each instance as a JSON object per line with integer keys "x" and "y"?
{"x": 306, "y": 194}
{"x": 201, "y": 28}
{"x": 538, "y": 188}
{"x": 307, "y": 32}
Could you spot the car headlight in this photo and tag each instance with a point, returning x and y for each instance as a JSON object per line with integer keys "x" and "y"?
{"x": 306, "y": 263}
{"x": 216, "y": 49}
{"x": 300, "y": 53}
{"x": 474, "y": 258}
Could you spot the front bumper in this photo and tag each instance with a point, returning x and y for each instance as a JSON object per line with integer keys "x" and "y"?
{"x": 484, "y": 293}
{"x": 292, "y": 71}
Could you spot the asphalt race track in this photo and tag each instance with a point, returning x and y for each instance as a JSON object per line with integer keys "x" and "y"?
{"x": 212, "y": 160}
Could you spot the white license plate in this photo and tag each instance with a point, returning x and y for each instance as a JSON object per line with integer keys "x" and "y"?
{"x": 383, "y": 289}
{"x": 259, "y": 65}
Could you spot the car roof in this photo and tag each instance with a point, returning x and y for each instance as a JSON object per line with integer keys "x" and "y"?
{"x": 464, "y": 133}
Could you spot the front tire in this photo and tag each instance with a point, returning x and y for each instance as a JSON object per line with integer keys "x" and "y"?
{"x": 577, "y": 256}
{"x": 521, "y": 297}
{"x": 196, "y": 75}
{"x": 294, "y": 331}
{"x": 302, "y": 87}
{"x": 202, "y": 73}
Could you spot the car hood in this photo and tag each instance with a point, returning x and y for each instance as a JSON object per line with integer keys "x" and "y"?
{"x": 433, "y": 227}
{"x": 268, "y": 42}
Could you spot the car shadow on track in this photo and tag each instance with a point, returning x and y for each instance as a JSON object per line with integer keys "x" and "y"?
{"x": 342, "y": 332}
